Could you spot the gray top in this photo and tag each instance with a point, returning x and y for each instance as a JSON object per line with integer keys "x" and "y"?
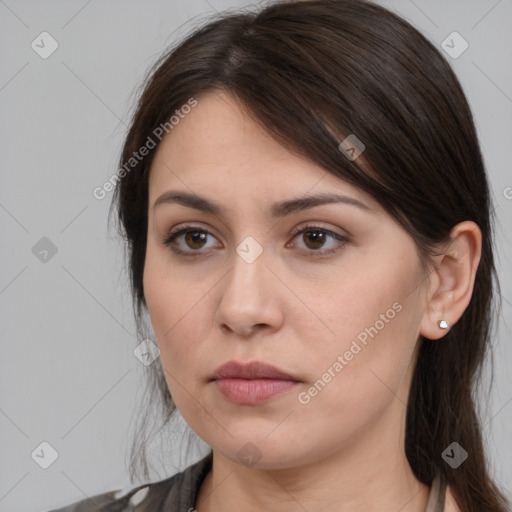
{"x": 179, "y": 492}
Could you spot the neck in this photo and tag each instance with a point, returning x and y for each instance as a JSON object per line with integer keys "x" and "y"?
{"x": 371, "y": 478}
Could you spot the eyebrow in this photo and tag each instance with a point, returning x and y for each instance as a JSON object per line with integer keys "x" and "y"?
{"x": 277, "y": 209}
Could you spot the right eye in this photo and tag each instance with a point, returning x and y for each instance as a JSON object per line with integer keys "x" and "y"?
{"x": 193, "y": 236}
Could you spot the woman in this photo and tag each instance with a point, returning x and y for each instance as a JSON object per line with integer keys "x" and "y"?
{"x": 308, "y": 225}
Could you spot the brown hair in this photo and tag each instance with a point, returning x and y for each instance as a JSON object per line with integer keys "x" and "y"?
{"x": 311, "y": 73}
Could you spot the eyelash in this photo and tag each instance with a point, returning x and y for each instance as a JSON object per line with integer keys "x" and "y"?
{"x": 169, "y": 239}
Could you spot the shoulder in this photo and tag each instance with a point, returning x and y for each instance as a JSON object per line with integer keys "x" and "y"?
{"x": 119, "y": 501}
{"x": 176, "y": 491}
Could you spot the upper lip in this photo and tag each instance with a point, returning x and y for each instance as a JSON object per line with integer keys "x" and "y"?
{"x": 251, "y": 370}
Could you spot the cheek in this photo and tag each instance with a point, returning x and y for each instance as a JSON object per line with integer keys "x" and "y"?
{"x": 174, "y": 302}
{"x": 370, "y": 323}
{"x": 169, "y": 312}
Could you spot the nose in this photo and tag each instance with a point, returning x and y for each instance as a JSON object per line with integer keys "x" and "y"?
{"x": 250, "y": 299}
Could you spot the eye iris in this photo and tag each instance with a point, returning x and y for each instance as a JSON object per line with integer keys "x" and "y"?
{"x": 194, "y": 237}
{"x": 318, "y": 238}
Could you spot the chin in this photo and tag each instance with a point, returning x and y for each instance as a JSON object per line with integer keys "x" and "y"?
{"x": 261, "y": 452}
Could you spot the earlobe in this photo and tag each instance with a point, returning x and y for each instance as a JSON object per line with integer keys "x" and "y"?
{"x": 453, "y": 278}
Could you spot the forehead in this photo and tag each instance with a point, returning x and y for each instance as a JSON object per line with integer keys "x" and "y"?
{"x": 217, "y": 133}
{"x": 218, "y": 148}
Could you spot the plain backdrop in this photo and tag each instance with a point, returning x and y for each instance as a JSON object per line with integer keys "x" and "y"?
{"x": 69, "y": 377}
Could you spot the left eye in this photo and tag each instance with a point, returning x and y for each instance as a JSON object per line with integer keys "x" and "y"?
{"x": 316, "y": 237}
{"x": 195, "y": 239}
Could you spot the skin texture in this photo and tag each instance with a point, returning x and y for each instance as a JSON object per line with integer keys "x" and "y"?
{"x": 344, "y": 449}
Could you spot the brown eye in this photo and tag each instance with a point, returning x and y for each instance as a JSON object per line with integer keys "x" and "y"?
{"x": 195, "y": 239}
{"x": 192, "y": 239}
{"x": 314, "y": 239}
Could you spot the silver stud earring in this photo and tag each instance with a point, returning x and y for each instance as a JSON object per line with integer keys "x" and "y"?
{"x": 443, "y": 324}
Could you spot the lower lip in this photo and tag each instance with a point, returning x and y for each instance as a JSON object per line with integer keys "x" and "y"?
{"x": 253, "y": 391}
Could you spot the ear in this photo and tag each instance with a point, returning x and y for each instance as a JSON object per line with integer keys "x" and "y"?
{"x": 452, "y": 280}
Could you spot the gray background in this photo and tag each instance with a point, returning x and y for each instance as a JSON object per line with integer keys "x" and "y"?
{"x": 68, "y": 373}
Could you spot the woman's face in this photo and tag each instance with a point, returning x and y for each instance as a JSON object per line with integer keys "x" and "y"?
{"x": 341, "y": 316}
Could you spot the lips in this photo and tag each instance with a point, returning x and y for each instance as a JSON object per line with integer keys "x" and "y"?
{"x": 252, "y": 370}
{"x": 253, "y": 383}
